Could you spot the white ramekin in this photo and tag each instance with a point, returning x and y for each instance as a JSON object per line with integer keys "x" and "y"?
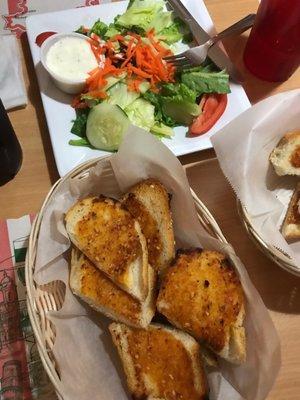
{"x": 66, "y": 85}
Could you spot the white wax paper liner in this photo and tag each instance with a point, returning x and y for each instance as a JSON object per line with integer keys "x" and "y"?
{"x": 83, "y": 349}
{"x": 243, "y": 148}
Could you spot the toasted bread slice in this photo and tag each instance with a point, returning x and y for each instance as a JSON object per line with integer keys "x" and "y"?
{"x": 291, "y": 224}
{"x": 286, "y": 155}
{"x": 148, "y": 202}
{"x": 97, "y": 290}
{"x": 201, "y": 294}
{"x": 112, "y": 239}
{"x": 160, "y": 363}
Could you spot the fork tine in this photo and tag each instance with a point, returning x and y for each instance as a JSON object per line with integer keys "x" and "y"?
{"x": 180, "y": 63}
{"x": 174, "y": 57}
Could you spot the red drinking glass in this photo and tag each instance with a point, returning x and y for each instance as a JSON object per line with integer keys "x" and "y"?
{"x": 272, "y": 52}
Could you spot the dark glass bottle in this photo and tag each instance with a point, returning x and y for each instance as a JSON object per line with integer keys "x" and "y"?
{"x": 10, "y": 149}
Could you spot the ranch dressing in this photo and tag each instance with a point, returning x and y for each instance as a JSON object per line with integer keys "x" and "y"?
{"x": 71, "y": 58}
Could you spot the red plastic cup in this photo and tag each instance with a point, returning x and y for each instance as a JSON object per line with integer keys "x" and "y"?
{"x": 272, "y": 52}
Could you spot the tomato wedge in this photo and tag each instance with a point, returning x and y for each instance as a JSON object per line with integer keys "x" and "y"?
{"x": 42, "y": 37}
{"x": 213, "y": 106}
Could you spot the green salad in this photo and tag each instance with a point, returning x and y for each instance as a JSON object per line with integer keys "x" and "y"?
{"x": 134, "y": 85}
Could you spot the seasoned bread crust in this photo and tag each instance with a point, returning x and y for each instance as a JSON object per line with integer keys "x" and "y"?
{"x": 291, "y": 224}
{"x": 201, "y": 294}
{"x": 286, "y": 156}
{"x": 160, "y": 363}
{"x": 93, "y": 286}
{"x": 112, "y": 239}
{"x": 149, "y": 203}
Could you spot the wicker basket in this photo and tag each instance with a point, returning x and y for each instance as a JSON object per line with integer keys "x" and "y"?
{"x": 50, "y": 297}
{"x": 276, "y": 255}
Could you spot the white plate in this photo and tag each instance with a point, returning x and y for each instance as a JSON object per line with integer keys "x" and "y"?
{"x": 58, "y": 112}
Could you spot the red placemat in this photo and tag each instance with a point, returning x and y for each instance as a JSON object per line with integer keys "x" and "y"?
{"x": 14, "y": 12}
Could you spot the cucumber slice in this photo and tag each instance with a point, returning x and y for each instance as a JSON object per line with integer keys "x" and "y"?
{"x": 106, "y": 126}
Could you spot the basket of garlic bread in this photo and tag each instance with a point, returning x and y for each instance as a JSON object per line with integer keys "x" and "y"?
{"x": 133, "y": 290}
{"x": 285, "y": 163}
{"x": 259, "y": 154}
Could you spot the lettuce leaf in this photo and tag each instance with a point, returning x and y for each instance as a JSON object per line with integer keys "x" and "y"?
{"x": 178, "y": 30}
{"x": 174, "y": 105}
{"x": 130, "y": 3}
{"x": 146, "y": 3}
{"x": 179, "y": 103}
{"x": 99, "y": 28}
{"x": 83, "y": 142}
{"x": 179, "y": 90}
{"x": 143, "y": 15}
{"x": 181, "y": 110}
{"x": 81, "y": 30}
{"x": 161, "y": 21}
{"x": 140, "y": 14}
{"x": 161, "y": 130}
{"x": 205, "y": 79}
{"x": 90, "y": 100}
{"x": 79, "y": 124}
{"x": 113, "y": 30}
{"x": 155, "y": 99}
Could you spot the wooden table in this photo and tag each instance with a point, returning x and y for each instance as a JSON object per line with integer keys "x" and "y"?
{"x": 279, "y": 290}
{"x": 38, "y": 173}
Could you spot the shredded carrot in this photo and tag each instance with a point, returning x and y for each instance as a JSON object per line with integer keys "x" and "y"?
{"x": 137, "y": 83}
{"x": 92, "y": 42}
{"x": 131, "y": 50}
{"x": 101, "y": 82}
{"x": 78, "y": 103}
{"x": 95, "y": 51}
{"x": 75, "y": 101}
{"x": 138, "y": 57}
{"x": 109, "y": 45}
{"x": 140, "y": 72}
{"x": 134, "y": 85}
{"x": 95, "y": 37}
{"x": 154, "y": 89}
{"x": 135, "y": 35}
{"x": 119, "y": 71}
{"x": 118, "y": 38}
{"x": 129, "y": 47}
{"x": 141, "y": 61}
{"x": 93, "y": 75}
{"x": 130, "y": 85}
{"x": 93, "y": 71}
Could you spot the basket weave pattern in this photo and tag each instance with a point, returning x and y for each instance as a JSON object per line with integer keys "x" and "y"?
{"x": 276, "y": 255}
{"x": 41, "y": 300}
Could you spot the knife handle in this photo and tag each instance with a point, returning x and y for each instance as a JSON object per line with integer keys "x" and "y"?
{"x": 237, "y": 28}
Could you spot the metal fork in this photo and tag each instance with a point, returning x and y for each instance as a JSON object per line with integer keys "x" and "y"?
{"x": 196, "y": 55}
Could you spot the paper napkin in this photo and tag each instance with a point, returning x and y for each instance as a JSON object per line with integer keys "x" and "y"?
{"x": 12, "y": 87}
